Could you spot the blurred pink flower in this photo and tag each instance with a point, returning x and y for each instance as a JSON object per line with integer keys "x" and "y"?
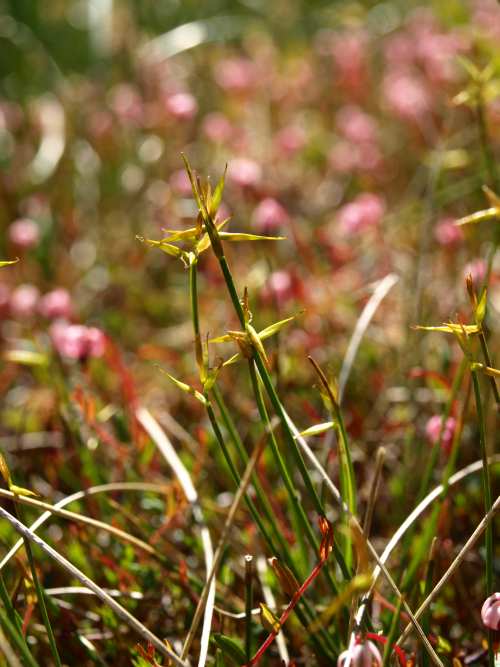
{"x": 217, "y": 127}
{"x": 433, "y": 429}
{"x": 182, "y": 106}
{"x": 279, "y": 287}
{"x": 490, "y": 612}
{"x": 486, "y": 14}
{"x": 244, "y": 172}
{"x": 356, "y": 125}
{"x": 23, "y": 301}
{"x": 24, "y": 233}
{"x": 350, "y": 55}
{"x": 447, "y": 233}
{"x": 269, "y": 216}
{"x": 235, "y": 74}
{"x": 127, "y": 103}
{"x": 343, "y": 157}
{"x": 56, "y": 303}
{"x": 290, "y": 139}
{"x": 364, "y": 212}
{"x": 77, "y": 341}
{"x": 477, "y": 269}
{"x": 406, "y": 95}
{"x": 180, "y": 184}
{"x": 365, "y": 654}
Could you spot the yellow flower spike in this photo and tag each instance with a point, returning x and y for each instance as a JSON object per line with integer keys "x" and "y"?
{"x": 6, "y": 262}
{"x": 492, "y": 213}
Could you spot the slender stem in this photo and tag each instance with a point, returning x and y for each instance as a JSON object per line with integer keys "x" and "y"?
{"x": 248, "y": 605}
{"x": 389, "y": 644}
{"x": 489, "y": 362}
{"x": 40, "y": 595}
{"x": 427, "y": 477}
{"x": 487, "y": 504}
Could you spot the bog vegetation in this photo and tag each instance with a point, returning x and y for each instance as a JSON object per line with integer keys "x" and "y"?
{"x": 249, "y": 315}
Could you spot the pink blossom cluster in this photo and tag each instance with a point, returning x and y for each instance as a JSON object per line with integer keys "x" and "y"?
{"x": 76, "y": 341}
{"x": 25, "y": 302}
{"x": 364, "y": 212}
{"x": 433, "y": 431}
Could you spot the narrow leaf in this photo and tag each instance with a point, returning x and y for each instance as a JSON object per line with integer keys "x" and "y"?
{"x": 317, "y": 429}
{"x": 185, "y": 387}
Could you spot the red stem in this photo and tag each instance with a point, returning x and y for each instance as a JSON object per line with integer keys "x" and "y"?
{"x": 293, "y": 602}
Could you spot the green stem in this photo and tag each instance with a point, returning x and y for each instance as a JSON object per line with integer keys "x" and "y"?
{"x": 248, "y": 606}
{"x": 487, "y": 500}
{"x": 429, "y": 470}
{"x": 40, "y": 594}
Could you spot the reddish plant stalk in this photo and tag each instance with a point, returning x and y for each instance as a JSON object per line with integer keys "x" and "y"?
{"x": 293, "y": 602}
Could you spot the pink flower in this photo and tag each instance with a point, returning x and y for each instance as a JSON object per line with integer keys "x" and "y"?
{"x": 279, "y": 287}
{"x": 356, "y": 125}
{"x": 244, "y": 172}
{"x": 77, "y": 341}
{"x": 490, "y": 612}
{"x": 269, "y": 216}
{"x": 433, "y": 430}
{"x": 180, "y": 184}
{"x": 24, "y": 233}
{"x": 350, "y": 54}
{"x": 447, "y": 233}
{"x": 362, "y": 655}
{"x": 127, "y": 104}
{"x": 290, "y": 140}
{"x": 406, "y": 95}
{"x": 56, "y": 304}
{"x": 477, "y": 269}
{"x": 366, "y": 211}
{"x": 182, "y": 106}
{"x": 217, "y": 127}
{"x": 235, "y": 74}
{"x": 96, "y": 342}
{"x": 23, "y": 301}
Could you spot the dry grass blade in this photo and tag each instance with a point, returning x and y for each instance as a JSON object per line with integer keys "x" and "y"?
{"x": 159, "y": 437}
{"x": 380, "y": 292}
{"x": 453, "y": 567}
{"x": 79, "y": 495}
{"x": 80, "y": 518}
{"x": 245, "y": 481}
{"x": 120, "y": 611}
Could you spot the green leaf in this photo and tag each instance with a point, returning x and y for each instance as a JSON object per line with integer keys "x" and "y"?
{"x": 479, "y": 216}
{"x": 317, "y": 429}
{"x": 192, "y": 180}
{"x": 274, "y": 328}
{"x": 481, "y": 307}
{"x": 26, "y": 357}
{"x": 256, "y": 342}
{"x": 21, "y": 491}
{"x": 217, "y": 195}
{"x": 239, "y": 236}
{"x": 185, "y": 387}
{"x": 230, "y": 648}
